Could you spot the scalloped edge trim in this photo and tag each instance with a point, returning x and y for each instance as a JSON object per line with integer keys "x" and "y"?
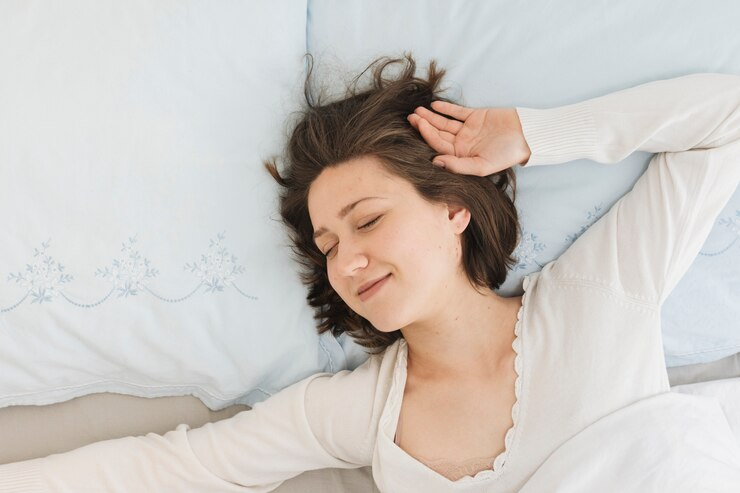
{"x": 500, "y": 460}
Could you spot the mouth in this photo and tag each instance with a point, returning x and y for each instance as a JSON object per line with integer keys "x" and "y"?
{"x": 370, "y": 288}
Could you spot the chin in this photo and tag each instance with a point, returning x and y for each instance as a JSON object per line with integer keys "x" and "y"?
{"x": 386, "y": 329}
{"x": 387, "y": 317}
{"x": 387, "y": 325}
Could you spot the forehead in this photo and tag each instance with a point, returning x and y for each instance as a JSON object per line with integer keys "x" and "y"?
{"x": 340, "y": 185}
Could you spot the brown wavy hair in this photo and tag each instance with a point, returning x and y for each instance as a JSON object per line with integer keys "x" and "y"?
{"x": 370, "y": 120}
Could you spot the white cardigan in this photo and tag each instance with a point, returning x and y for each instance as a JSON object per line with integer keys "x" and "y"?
{"x": 589, "y": 339}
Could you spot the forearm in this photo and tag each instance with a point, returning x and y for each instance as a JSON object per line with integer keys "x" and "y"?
{"x": 695, "y": 111}
{"x": 253, "y": 451}
{"x": 146, "y": 463}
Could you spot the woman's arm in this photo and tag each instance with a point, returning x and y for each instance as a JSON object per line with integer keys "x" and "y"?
{"x": 648, "y": 240}
{"x": 650, "y": 237}
{"x": 698, "y": 111}
{"x": 254, "y": 451}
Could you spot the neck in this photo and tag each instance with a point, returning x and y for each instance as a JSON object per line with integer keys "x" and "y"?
{"x": 469, "y": 337}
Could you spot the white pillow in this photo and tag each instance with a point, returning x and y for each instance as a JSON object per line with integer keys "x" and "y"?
{"x": 540, "y": 54}
{"x": 142, "y": 248}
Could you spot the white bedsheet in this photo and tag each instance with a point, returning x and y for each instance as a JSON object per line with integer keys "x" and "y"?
{"x": 670, "y": 442}
{"x": 727, "y": 393}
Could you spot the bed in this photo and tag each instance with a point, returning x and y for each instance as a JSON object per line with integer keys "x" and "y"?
{"x": 146, "y": 280}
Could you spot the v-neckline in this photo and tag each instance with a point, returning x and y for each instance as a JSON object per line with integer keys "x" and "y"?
{"x": 501, "y": 459}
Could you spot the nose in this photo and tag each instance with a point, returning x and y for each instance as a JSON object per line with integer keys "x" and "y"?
{"x": 350, "y": 258}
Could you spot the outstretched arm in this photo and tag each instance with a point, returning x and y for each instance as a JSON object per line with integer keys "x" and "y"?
{"x": 322, "y": 421}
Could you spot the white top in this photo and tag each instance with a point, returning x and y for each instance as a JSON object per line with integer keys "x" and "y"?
{"x": 451, "y": 468}
{"x": 589, "y": 339}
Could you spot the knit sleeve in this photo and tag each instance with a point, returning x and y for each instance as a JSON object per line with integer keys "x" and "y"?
{"x": 650, "y": 237}
{"x": 253, "y": 451}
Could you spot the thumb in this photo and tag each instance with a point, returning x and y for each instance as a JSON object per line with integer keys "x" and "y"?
{"x": 463, "y": 165}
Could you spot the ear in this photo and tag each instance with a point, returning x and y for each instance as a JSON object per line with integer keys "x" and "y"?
{"x": 459, "y": 217}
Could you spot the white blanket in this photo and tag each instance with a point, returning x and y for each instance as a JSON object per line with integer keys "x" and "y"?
{"x": 726, "y": 391}
{"x": 671, "y": 442}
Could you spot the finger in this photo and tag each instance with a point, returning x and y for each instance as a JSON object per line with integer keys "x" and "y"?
{"x": 414, "y": 120}
{"x": 465, "y": 165}
{"x": 448, "y": 137}
{"x": 434, "y": 139}
{"x": 454, "y": 110}
{"x": 439, "y": 121}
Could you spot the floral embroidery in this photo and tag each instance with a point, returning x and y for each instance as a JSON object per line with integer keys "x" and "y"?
{"x": 733, "y": 228}
{"x": 527, "y": 250}
{"x": 217, "y": 268}
{"x": 129, "y": 272}
{"x": 129, "y": 275}
{"x": 42, "y": 278}
{"x": 591, "y": 217}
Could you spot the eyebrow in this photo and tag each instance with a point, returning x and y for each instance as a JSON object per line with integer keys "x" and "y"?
{"x": 345, "y": 210}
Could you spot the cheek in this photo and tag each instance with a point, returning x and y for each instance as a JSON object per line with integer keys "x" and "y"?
{"x": 417, "y": 250}
{"x": 434, "y": 255}
{"x": 333, "y": 279}
{"x": 337, "y": 283}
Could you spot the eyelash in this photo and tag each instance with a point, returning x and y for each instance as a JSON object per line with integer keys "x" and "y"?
{"x": 364, "y": 226}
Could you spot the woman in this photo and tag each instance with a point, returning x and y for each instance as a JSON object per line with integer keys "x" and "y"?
{"x": 466, "y": 390}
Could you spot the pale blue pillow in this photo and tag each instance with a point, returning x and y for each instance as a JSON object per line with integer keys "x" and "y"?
{"x": 142, "y": 251}
{"x": 541, "y": 53}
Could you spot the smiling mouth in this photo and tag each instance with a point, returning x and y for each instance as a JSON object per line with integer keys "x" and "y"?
{"x": 370, "y": 290}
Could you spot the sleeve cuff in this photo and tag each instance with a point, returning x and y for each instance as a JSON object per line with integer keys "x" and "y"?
{"x": 558, "y": 135}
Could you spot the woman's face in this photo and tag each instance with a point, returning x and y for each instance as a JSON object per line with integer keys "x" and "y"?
{"x": 376, "y": 230}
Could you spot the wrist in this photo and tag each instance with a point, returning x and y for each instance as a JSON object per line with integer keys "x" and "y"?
{"x": 524, "y": 151}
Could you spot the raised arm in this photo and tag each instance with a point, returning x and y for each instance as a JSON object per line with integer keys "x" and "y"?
{"x": 254, "y": 451}
{"x": 647, "y": 241}
{"x": 649, "y": 238}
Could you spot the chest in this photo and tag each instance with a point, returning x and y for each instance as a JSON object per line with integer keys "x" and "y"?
{"x": 457, "y": 423}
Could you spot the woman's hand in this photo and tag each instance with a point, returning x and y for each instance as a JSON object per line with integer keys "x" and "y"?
{"x": 476, "y": 142}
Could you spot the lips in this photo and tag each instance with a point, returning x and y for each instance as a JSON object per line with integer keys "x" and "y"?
{"x": 370, "y": 284}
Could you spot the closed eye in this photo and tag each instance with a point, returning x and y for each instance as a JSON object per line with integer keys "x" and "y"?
{"x": 367, "y": 225}
{"x": 364, "y": 226}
